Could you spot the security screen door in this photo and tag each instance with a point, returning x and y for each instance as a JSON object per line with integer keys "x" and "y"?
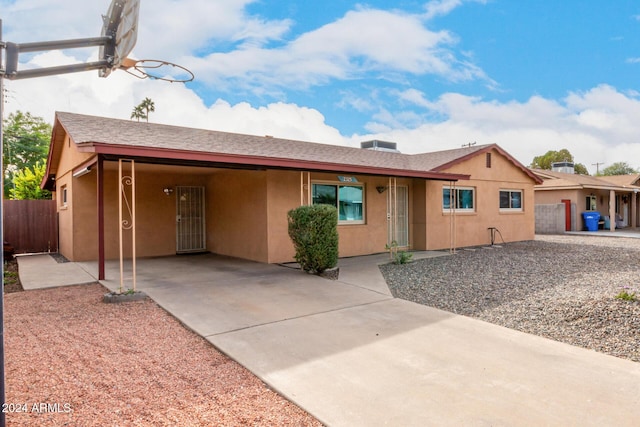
{"x": 402, "y": 230}
{"x": 190, "y": 219}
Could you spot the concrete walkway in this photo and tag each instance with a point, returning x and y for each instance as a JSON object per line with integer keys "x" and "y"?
{"x": 41, "y": 271}
{"x": 352, "y": 355}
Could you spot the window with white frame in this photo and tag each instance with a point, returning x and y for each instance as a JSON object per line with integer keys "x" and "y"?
{"x": 348, "y": 199}
{"x": 461, "y": 199}
{"x": 511, "y": 200}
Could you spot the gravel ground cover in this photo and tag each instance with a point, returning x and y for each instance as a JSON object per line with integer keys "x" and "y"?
{"x": 559, "y": 287}
{"x": 72, "y": 360}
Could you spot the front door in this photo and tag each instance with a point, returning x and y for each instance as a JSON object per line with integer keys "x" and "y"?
{"x": 190, "y": 220}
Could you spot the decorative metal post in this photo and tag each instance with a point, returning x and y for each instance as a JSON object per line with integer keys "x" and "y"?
{"x": 129, "y": 223}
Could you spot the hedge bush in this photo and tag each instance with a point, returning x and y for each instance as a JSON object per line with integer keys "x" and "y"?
{"x": 314, "y": 232}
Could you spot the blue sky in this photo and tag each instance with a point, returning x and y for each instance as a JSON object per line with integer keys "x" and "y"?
{"x": 531, "y": 76}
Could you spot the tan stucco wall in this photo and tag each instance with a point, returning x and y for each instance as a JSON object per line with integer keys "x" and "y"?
{"x": 471, "y": 229}
{"x": 68, "y": 230}
{"x": 155, "y": 215}
{"x": 238, "y": 214}
{"x": 65, "y": 217}
{"x": 284, "y": 188}
{"x": 283, "y": 194}
{"x": 418, "y": 215}
{"x": 547, "y": 197}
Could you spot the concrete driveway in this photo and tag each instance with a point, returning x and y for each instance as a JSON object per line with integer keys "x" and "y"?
{"x": 352, "y": 355}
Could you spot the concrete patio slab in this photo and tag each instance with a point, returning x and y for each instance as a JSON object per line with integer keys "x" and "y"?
{"x": 213, "y": 294}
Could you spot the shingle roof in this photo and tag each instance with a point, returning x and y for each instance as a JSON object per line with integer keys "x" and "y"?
{"x": 96, "y": 134}
{"x": 623, "y": 180}
{"x": 437, "y": 159}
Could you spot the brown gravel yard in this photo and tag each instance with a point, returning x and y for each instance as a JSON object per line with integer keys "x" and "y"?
{"x": 72, "y": 360}
{"x": 558, "y": 287}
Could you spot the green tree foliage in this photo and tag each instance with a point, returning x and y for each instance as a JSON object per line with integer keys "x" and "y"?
{"x": 27, "y": 184}
{"x": 580, "y": 169}
{"x": 142, "y": 110}
{"x": 149, "y": 107}
{"x": 26, "y": 142}
{"x": 314, "y": 232}
{"x": 138, "y": 113}
{"x": 546, "y": 160}
{"x": 618, "y": 168}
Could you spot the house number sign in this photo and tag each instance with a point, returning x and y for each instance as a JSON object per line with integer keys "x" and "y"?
{"x": 347, "y": 178}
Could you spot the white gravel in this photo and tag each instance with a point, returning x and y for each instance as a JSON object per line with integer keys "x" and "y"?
{"x": 559, "y": 287}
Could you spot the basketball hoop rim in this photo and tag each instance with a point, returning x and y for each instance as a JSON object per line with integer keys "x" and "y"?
{"x": 139, "y": 66}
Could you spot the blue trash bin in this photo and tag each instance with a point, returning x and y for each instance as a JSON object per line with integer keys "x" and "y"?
{"x": 591, "y": 220}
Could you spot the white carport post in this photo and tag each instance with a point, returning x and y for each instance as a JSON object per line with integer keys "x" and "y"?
{"x": 612, "y": 210}
{"x": 305, "y": 188}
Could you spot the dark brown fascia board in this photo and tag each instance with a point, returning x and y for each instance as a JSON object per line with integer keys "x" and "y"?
{"x": 258, "y": 161}
{"x": 490, "y": 147}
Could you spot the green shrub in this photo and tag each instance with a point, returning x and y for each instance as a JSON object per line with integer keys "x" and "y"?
{"x": 399, "y": 257}
{"x": 402, "y": 257}
{"x": 314, "y": 232}
{"x": 625, "y": 295}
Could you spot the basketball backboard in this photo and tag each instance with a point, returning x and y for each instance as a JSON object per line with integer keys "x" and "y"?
{"x": 121, "y": 24}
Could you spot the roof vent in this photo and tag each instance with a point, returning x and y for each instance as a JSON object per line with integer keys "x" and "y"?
{"x": 377, "y": 145}
{"x": 564, "y": 167}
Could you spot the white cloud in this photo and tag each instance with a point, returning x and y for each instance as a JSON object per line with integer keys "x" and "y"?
{"x": 443, "y": 7}
{"x": 116, "y": 96}
{"x": 172, "y": 30}
{"x": 168, "y": 29}
{"x": 231, "y": 50}
{"x": 599, "y": 125}
{"x": 362, "y": 42}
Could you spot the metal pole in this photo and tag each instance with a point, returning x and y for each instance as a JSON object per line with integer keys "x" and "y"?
{"x": 2, "y": 377}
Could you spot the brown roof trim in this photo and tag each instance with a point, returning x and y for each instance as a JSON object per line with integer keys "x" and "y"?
{"x": 486, "y": 149}
{"x": 259, "y": 161}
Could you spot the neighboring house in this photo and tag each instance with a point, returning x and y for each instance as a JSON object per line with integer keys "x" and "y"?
{"x": 188, "y": 190}
{"x": 615, "y": 198}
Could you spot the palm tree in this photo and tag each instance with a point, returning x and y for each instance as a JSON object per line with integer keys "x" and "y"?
{"x": 148, "y": 106}
{"x": 138, "y": 113}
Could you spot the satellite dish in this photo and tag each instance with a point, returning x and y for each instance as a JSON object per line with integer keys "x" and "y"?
{"x": 121, "y": 25}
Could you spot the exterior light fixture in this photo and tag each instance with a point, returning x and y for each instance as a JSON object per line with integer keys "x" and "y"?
{"x": 167, "y": 190}
{"x": 381, "y": 189}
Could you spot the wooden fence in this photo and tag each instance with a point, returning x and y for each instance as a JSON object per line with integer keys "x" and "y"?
{"x": 31, "y": 226}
